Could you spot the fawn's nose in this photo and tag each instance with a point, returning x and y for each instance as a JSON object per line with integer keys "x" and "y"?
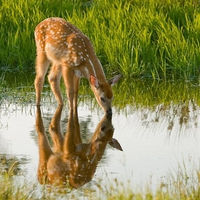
{"x": 109, "y": 111}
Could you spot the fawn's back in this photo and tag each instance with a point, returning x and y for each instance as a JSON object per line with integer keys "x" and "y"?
{"x": 62, "y": 42}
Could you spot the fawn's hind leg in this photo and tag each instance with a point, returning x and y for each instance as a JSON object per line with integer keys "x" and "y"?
{"x": 42, "y": 64}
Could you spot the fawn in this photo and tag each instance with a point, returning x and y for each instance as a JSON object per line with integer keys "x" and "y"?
{"x": 72, "y": 56}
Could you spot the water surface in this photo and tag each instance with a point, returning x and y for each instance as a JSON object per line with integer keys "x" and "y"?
{"x": 156, "y": 124}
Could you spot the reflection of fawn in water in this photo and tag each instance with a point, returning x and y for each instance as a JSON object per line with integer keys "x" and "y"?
{"x": 71, "y": 161}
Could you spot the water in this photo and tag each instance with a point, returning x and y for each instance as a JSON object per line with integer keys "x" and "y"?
{"x": 156, "y": 140}
{"x": 151, "y": 145}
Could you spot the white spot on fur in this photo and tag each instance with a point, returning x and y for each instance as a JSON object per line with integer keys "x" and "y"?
{"x": 92, "y": 67}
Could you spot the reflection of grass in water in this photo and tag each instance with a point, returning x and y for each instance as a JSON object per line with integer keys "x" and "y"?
{"x": 136, "y": 93}
{"x": 149, "y": 93}
{"x": 182, "y": 184}
{"x": 16, "y": 88}
{"x": 180, "y": 114}
{"x": 157, "y": 100}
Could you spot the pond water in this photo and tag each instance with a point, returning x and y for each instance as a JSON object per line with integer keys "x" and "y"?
{"x": 157, "y": 138}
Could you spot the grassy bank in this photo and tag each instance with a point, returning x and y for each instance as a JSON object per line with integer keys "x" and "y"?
{"x": 138, "y": 38}
{"x": 180, "y": 185}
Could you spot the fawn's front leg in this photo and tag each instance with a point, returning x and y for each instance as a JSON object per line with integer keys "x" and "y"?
{"x": 72, "y": 85}
{"x": 54, "y": 80}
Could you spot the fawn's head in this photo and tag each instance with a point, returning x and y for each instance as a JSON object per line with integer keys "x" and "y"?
{"x": 103, "y": 135}
{"x": 103, "y": 92}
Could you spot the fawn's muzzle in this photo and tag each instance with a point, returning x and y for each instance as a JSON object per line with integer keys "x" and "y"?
{"x": 109, "y": 112}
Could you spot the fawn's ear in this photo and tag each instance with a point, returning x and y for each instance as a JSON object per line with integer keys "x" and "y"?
{"x": 94, "y": 81}
{"x": 114, "y": 80}
{"x": 114, "y": 143}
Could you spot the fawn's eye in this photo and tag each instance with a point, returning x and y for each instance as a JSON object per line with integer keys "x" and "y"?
{"x": 103, "y": 128}
{"x": 103, "y": 99}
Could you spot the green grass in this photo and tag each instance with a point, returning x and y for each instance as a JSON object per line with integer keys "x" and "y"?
{"x": 138, "y": 38}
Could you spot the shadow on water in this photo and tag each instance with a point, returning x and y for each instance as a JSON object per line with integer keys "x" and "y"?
{"x": 71, "y": 162}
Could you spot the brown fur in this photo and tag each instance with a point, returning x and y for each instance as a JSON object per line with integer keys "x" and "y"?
{"x": 72, "y": 55}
